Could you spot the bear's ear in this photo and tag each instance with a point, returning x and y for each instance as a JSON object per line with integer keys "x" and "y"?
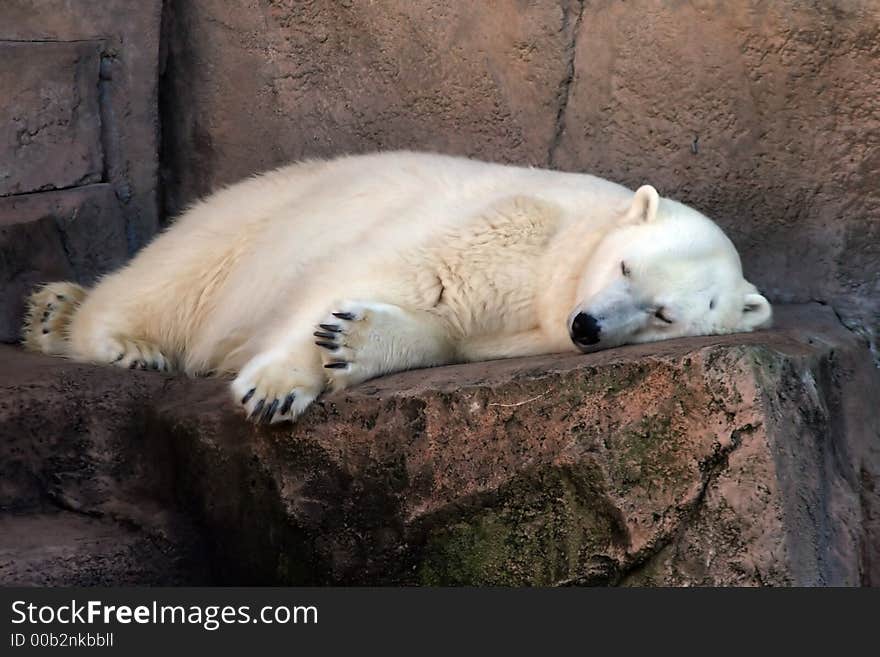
{"x": 756, "y": 311}
{"x": 644, "y": 205}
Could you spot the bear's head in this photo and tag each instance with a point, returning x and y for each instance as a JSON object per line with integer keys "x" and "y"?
{"x": 663, "y": 271}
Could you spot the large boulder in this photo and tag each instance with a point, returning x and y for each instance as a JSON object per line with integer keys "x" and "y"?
{"x": 737, "y": 460}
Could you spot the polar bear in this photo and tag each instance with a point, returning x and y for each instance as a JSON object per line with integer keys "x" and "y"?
{"x": 323, "y": 274}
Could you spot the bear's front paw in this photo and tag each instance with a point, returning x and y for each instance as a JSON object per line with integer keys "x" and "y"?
{"x": 271, "y": 389}
{"x": 356, "y": 342}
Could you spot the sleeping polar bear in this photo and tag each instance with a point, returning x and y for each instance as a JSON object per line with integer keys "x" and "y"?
{"x": 323, "y": 274}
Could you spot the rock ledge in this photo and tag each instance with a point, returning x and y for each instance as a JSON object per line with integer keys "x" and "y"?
{"x": 735, "y": 460}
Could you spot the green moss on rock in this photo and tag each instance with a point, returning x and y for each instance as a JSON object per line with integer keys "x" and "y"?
{"x": 647, "y": 456}
{"x": 544, "y": 528}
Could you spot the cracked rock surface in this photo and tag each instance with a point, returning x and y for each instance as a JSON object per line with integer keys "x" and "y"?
{"x": 735, "y": 460}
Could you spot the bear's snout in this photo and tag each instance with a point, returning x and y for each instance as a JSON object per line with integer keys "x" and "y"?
{"x": 585, "y": 330}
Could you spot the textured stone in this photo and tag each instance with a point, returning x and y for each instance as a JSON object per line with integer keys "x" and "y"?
{"x": 74, "y": 234}
{"x": 129, "y": 32}
{"x": 747, "y": 459}
{"x": 50, "y": 124}
{"x": 761, "y": 114}
{"x": 255, "y": 84}
{"x": 80, "y": 117}
{"x": 30, "y": 253}
{"x": 60, "y": 548}
{"x": 81, "y": 504}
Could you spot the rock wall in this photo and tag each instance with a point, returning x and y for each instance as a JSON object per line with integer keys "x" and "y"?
{"x": 78, "y": 141}
{"x": 764, "y": 115}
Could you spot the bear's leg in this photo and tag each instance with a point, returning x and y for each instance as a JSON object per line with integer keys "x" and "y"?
{"x": 362, "y": 340}
{"x": 535, "y": 342}
{"x": 109, "y": 333}
{"x": 120, "y": 350}
{"x": 355, "y": 342}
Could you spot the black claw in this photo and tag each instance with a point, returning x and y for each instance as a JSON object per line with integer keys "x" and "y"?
{"x": 269, "y": 412}
{"x": 336, "y": 366}
{"x": 324, "y": 334}
{"x": 333, "y": 328}
{"x": 117, "y": 359}
{"x": 132, "y": 364}
{"x": 247, "y": 395}
{"x": 329, "y": 346}
{"x": 347, "y": 316}
{"x": 288, "y": 402}
{"x": 257, "y": 409}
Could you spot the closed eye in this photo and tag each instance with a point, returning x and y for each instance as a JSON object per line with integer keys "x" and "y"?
{"x": 660, "y": 314}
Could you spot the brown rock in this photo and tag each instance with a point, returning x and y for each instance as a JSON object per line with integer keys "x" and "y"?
{"x": 746, "y": 459}
{"x": 30, "y": 253}
{"x": 74, "y": 234}
{"x": 129, "y": 36}
{"x": 60, "y": 548}
{"x": 50, "y": 119}
{"x": 79, "y": 118}
{"x": 249, "y": 86}
{"x": 80, "y": 503}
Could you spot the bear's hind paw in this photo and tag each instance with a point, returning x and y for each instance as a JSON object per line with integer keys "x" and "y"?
{"x": 137, "y": 355}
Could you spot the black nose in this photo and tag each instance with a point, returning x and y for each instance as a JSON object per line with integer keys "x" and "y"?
{"x": 585, "y": 329}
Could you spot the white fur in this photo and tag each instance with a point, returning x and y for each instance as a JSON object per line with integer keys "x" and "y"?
{"x": 427, "y": 259}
